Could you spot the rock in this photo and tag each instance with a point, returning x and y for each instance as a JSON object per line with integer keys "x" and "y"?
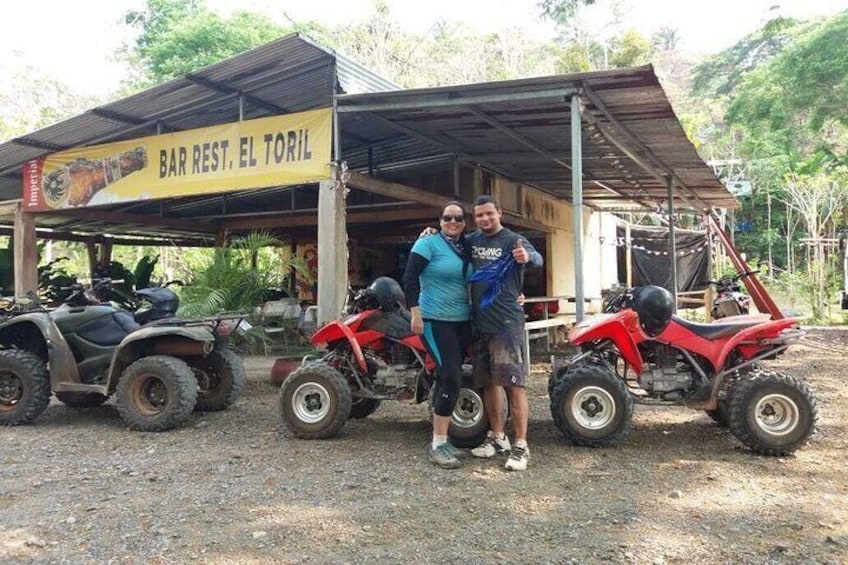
{"x": 34, "y": 542}
{"x": 259, "y": 534}
{"x": 676, "y": 494}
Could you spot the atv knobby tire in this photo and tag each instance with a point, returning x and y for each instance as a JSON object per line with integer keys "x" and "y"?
{"x": 24, "y": 387}
{"x": 156, "y": 393}
{"x": 315, "y": 402}
{"x": 591, "y": 406}
{"x": 81, "y": 399}
{"x": 220, "y": 379}
{"x": 469, "y": 424}
{"x": 362, "y": 407}
{"x": 555, "y": 378}
{"x": 771, "y": 412}
{"x": 720, "y": 414}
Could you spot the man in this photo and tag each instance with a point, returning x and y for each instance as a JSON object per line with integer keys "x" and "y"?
{"x": 498, "y": 321}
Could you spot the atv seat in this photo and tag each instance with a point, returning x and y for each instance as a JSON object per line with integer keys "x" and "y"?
{"x": 718, "y": 330}
{"x": 108, "y": 330}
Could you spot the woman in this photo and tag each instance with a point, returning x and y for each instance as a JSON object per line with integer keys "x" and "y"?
{"x": 435, "y": 282}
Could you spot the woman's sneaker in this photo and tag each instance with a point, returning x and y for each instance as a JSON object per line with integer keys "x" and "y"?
{"x": 457, "y": 452}
{"x": 491, "y": 446}
{"x": 443, "y": 456}
{"x": 518, "y": 459}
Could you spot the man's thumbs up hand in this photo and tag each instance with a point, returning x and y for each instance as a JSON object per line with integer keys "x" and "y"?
{"x": 520, "y": 254}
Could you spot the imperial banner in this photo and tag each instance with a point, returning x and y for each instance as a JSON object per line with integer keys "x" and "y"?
{"x": 274, "y": 151}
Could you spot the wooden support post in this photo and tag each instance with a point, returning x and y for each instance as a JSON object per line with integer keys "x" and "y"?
{"x": 332, "y": 251}
{"x": 221, "y": 237}
{"x": 292, "y": 271}
{"x": 25, "y": 253}
{"x": 106, "y": 252}
{"x": 709, "y": 295}
{"x": 93, "y": 260}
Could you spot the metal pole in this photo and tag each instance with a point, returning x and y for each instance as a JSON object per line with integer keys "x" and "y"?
{"x": 577, "y": 202}
{"x": 337, "y": 132}
{"x": 628, "y": 252}
{"x": 447, "y": 99}
{"x": 241, "y": 106}
{"x": 672, "y": 240}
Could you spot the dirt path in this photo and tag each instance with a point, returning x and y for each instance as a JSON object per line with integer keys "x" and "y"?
{"x": 77, "y": 487}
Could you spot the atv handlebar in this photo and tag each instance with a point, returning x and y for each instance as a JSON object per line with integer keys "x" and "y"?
{"x": 618, "y": 300}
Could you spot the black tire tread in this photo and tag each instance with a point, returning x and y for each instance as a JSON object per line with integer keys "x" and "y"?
{"x": 343, "y": 409}
{"x": 738, "y": 404}
{"x": 30, "y": 367}
{"x": 569, "y": 379}
{"x": 472, "y": 436}
{"x": 363, "y": 407}
{"x": 232, "y": 382}
{"x": 184, "y": 382}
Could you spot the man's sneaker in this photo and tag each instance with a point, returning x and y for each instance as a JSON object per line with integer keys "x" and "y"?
{"x": 491, "y": 446}
{"x": 518, "y": 459}
{"x": 444, "y": 457}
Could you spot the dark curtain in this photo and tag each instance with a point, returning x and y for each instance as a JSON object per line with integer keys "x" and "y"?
{"x": 652, "y": 257}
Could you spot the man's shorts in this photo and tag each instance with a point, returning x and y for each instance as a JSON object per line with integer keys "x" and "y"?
{"x": 498, "y": 360}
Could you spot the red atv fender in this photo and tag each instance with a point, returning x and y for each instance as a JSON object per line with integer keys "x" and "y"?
{"x": 749, "y": 336}
{"x": 334, "y": 331}
{"x": 416, "y": 342}
{"x": 618, "y": 328}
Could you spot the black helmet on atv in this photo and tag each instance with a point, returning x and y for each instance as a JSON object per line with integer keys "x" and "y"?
{"x": 655, "y": 305}
{"x": 387, "y": 293}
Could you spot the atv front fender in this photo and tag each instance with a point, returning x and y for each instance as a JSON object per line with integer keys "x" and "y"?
{"x": 176, "y": 341}
{"x": 36, "y": 332}
{"x": 618, "y": 328}
{"x": 337, "y": 331}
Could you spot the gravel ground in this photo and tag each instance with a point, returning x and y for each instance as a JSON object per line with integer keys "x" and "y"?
{"x": 77, "y": 487}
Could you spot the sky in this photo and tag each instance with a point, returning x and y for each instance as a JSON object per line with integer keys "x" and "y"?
{"x": 75, "y": 42}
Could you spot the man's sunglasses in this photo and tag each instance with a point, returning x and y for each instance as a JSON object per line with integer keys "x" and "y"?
{"x": 458, "y": 219}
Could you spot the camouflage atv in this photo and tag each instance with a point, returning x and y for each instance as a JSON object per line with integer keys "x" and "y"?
{"x": 86, "y": 352}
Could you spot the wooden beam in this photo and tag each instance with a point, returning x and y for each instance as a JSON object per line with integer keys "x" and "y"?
{"x": 430, "y": 199}
{"x": 332, "y": 251}
{"x": 138, "y": 220}
{"x": 296, "y": 220}
{"x": 78, "y": 237}
{"x": 9, "y": 208}
{"x": 25, "y": 253}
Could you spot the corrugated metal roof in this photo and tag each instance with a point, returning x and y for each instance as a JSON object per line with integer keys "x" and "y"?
{"x": 416, "y": 132}
{"x": 521, "y": 129}
{"x": 291, "y": 74}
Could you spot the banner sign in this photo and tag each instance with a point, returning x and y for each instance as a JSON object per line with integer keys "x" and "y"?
{"x": 275, "y": 151}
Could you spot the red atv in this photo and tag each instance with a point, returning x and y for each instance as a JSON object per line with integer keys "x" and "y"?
{"x": 372, "y": 355}
{"x": 639, "y": 351}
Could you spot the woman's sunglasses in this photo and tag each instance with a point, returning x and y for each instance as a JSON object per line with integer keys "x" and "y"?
{"x": 457, "y": 219}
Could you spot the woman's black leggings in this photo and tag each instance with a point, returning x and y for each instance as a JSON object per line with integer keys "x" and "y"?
{"x": 448, "y": 344}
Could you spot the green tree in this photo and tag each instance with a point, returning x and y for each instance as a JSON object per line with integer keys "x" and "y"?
{"x": 798, "y": 100}
{"x": 561, "y": 11}
{"x": 29, "y": 101}
{"x": 180, "y": 36}
{"x": 235, "y": 278}
{"x": 630, "y": 49}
